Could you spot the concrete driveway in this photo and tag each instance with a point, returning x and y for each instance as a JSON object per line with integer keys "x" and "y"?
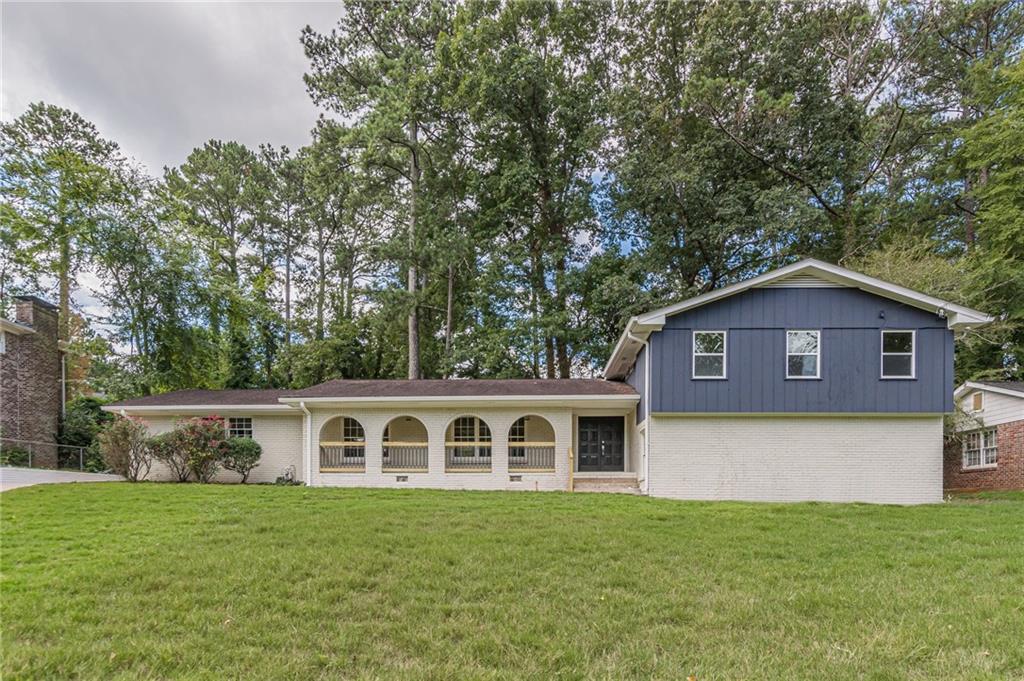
{"x": 23, "y": 477}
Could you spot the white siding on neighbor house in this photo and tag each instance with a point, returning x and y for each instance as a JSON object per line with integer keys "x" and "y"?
{"x": 876, "y": 459}
{"x": 996, "y": 408}
{"x": 280, "y": 436}
{"x": 436, "y": 422}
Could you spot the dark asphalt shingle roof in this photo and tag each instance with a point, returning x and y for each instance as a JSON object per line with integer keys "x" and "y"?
{"x": 342, "y": 389}
{"x": 467, "y": 388}
{"x": 1018, "y": 386}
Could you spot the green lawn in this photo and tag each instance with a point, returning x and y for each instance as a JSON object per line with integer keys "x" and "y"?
{"x": 186, "y": 581}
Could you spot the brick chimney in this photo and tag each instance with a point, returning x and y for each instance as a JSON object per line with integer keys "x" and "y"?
{"x": 30, "y": 379}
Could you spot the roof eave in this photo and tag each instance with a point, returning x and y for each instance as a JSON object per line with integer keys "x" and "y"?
{"x": 198, "y": 408}
{"x": 972, "y": 385}
{"x": 17, "y": 329}
{"x": 441, "y": 400}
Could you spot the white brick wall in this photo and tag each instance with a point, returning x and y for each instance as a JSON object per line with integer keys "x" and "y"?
{"x": 280, "y": 437}
{"x": 798, "y": 458}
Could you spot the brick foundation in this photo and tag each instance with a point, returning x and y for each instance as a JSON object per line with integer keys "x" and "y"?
{"x": 1007, "y": 475}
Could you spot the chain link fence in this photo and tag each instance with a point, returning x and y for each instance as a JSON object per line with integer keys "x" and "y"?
{"x": 38, "y": 454}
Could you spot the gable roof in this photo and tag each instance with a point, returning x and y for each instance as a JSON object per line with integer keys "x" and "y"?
{"x": 809, "y": 272}
{"x": 1012, "y": 388}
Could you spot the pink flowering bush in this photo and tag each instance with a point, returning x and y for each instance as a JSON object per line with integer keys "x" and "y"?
{"x": 203, "y": 443}
{"x": 124, "y": 445}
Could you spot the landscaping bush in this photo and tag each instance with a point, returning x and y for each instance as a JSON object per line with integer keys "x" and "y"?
{"x": 171, "y": 450}
{"x": 242, "y": 455}
{"x": 11, "y": 455}
{"x": 124, "y": 445}
{"x": 83, "y": 420}
{"x": 204, "y": 444}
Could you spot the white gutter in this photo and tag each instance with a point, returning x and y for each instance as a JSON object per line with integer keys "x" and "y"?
{"x": 647, "y": 403}
{"x": 199, "y": 408}
{"x": 307, "y": 455}
{"x": 475, "y": 399}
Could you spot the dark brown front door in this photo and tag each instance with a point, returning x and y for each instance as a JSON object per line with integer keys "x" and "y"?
{"x": 601, "y": 440}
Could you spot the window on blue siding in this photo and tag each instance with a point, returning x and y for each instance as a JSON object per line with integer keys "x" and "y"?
{"x": 709, "y": 354}
{"x": 897, "y": 354}
{"x": 803, "y": 354}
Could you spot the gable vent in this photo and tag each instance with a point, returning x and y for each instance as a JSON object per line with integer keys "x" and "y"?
{"x": 802, "y": 280}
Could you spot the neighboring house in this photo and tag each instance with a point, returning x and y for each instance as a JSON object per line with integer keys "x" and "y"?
{"x": 987, "y": 452}
{"x": 31, "y": 382}
{"x": 811, "y": 382}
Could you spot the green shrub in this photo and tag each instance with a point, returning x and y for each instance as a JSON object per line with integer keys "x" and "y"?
{"x": 204, "y": 443}
{"x": 171, "y": 450}
{"x": 124, "y": 445}
{"x": 83, "y": 420}
{"x": 14, "y": 456}
{"x": 242, "y": 455}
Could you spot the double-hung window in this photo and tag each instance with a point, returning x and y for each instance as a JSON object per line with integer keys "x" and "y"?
{"x": 240, "y": 426}
{"x": 898, "y": 354}
{"x": 980, "y": 449}
{"x": 709, "y": 354}
{"x": 803, "y": 354}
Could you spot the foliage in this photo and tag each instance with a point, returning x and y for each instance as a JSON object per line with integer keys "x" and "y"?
{"x": 172, "y": 450}
{"x": 13, "y": 455}
{"x": 83, "y": 420}
{"x": 203, "y": 444}
{"x": 124, "y": 445}
{"x": 485, "y": 585}
{"x": 499, "y": 185}
{"x": 241, "y": 456}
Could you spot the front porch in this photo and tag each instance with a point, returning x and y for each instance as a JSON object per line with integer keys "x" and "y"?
{"x": 486, "y": 449}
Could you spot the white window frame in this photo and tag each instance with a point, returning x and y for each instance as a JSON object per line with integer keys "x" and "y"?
{"x": 231, "y": 428}
{"x": 982, "y": 448}
{"x": 816, "y": 355}
{"x": 724, "y": 354}
{"x": 882, "y": 355}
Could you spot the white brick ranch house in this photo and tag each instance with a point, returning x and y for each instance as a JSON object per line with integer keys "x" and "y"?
{"x": 811, "y": 382}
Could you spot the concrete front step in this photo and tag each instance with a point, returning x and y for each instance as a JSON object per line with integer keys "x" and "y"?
{"x": 621, "y": 485}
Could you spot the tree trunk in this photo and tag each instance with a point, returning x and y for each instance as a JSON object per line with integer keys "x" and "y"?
{"x": 413, "y": 274}
{"x": 449, "y": 321}
{"x": 321, "y": 288}
{"x": 64, "y": 302}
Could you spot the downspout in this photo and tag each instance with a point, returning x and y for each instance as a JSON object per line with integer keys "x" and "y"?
{"x": 647, "y": 403}
{"x": 307, "y": 454}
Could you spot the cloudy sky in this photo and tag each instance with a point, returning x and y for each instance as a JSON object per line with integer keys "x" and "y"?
{"x": 162, "y": 78}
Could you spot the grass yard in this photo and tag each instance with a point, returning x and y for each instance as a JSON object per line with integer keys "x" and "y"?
{"x": 208, "y": 582}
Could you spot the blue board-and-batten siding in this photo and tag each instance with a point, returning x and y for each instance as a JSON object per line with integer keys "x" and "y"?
{"x": 850, "y": 321}
{"x": 638, "y": 379}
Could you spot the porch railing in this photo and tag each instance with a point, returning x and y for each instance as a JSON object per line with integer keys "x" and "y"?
{"x": 338, "y": 457}
{"x": 467, "y": 457}
{"x": 405, "y": 456}
{"x": 531, "y": 456}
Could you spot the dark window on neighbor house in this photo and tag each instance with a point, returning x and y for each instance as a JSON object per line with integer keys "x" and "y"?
{"x": 803, "y": 354}
{"x": 897, "y": 354}
{"x": 980, "y": 449}
{"x": 709, "y": 354}
{"x": 240, "y": 426}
